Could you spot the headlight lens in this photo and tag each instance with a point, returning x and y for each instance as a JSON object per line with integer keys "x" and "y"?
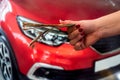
{"x": 54, "y": 37}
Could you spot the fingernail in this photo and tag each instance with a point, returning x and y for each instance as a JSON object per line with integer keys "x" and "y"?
{"x": 77, "y": 26}
{"x": 82, "y": 33}
{"x": 80, "y": 29}
{"x": 81, "y": 39}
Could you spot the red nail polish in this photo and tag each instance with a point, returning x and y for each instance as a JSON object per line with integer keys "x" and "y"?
{"x": 82, "y": 33}
{"x": 80, "y": 39}
{"x": 77, "y": 26}
{"x": 80, "y": 29}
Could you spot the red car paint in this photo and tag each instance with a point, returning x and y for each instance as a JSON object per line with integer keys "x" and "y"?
{"x": 47, "y": 11}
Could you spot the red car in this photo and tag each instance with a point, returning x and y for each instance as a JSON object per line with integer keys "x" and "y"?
{"x": 25, "y": 56}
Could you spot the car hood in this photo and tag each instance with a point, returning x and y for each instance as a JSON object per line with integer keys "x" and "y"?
{"x": 53, "y": 11}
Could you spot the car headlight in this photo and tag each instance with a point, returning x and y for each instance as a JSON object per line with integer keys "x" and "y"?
{"x": 53, "y": 37}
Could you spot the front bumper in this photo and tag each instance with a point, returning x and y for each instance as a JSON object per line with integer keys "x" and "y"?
{"x": 42, "y": 71}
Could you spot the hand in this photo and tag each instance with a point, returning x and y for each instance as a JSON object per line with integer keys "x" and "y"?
{"x": 83, "y": 34}
{"x": 87, "y": 32}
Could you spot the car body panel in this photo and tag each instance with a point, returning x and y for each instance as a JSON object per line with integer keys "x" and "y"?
{"x": 53, "y": 11}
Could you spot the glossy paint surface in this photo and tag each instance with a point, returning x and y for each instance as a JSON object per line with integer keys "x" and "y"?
{"x": 53, "y": 11}
{"x": 47, "y": 11}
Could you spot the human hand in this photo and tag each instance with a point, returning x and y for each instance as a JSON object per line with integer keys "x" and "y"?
{"x": 83, "y": 34}
{"x": 87, "y": 32}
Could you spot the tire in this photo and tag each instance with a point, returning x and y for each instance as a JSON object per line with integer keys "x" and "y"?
{"x": 7, "y": 68}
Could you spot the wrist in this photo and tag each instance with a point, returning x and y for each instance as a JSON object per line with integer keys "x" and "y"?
{"x": 98, "y": 28}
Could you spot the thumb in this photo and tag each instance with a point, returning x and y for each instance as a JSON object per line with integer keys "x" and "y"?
{"x": 68, "y": 22}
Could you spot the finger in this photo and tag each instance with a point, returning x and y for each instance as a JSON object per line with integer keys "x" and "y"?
{"x": 77, "y": 39}
{"x": 83, "y": 46}
{"x": 73, "y": 34}
{"x": 78, "y": 45}
{"x": 68, "y": 22}
{"x": 71, "y": 29}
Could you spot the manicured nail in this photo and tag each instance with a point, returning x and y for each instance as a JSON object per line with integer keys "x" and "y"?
{"x": 80, "y": 29}
{"x": 77, "y": 26}
{"x": 81, "y": 39}
{"x": 82, "y": 33}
